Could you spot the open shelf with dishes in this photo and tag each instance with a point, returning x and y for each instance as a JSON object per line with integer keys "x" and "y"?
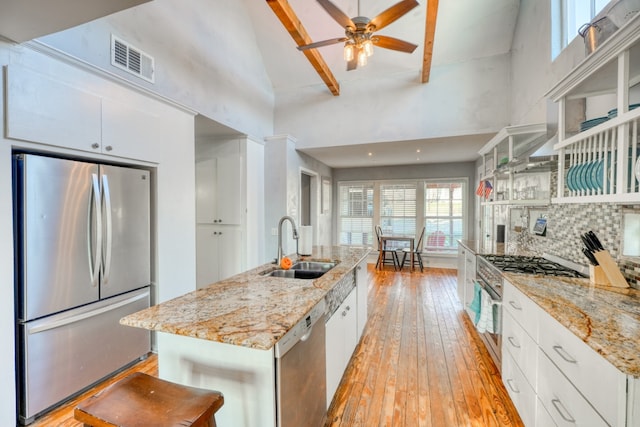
{"x": 600, "y": 157}
{"x": 506, "y": 167}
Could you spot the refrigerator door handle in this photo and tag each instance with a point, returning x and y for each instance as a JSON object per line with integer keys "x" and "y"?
{"x": 86, "y": 315}
{"x": 106, "y": 265}
{"x": 94, "y": 251}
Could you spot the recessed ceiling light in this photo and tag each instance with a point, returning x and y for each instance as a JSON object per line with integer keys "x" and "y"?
{"x": 370, "y": 154}
{"x": 418, "y": 150}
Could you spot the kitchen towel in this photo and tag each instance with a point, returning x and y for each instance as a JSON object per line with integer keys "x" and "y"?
{"x": 306, "y": 240}
{"x": 475, "y": 303}
{"x": 486, "y": 322}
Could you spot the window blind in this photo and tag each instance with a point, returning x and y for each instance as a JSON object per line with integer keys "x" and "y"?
{"x": 356, "y": 214}
{"x": 398, "y": 209}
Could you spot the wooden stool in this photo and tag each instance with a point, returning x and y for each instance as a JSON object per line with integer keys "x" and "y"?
{"x": 140, "y": 400}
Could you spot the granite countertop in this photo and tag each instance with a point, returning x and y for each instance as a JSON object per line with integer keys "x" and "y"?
{"x": 606, "y": 319}
{"x": 248, "y": 309}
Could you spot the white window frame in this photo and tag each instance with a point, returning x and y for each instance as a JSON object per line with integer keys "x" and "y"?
{"x": 420, "y": 208}
{"x": 339, "y": 210}
{"x": 563, "y": 22}
{"x": 464, "y": 214}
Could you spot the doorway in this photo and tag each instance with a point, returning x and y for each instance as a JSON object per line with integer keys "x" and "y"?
{"x": 309, "y": 200}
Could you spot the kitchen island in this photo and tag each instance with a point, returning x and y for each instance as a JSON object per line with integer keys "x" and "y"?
{"x": 222, "y": 337}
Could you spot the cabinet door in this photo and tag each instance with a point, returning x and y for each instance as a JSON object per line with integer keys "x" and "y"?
{"x": 229, "y": 251}
{"x": 229, "y": 188}
{"x": 41, "y": 109}
{"x": 521, "y": 392}
{"x": 350, "y": 325}
{"x": 362, "y": 289}
{"x": 130, "y": 132}
{"x": 461, "y": 274}
{"x": 335, "y": 349}
{"x": 206, "y": 173}
{"x": 207, "y": 257}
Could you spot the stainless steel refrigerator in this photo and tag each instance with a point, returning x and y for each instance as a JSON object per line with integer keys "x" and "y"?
{"x": 82, "y": 252}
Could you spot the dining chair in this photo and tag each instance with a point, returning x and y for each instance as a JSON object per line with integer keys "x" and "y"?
{"x": 417, "y": 253}
{"x": 383, "y": 251}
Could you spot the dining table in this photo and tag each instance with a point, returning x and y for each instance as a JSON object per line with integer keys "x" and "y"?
{"x": 384, "y": 238}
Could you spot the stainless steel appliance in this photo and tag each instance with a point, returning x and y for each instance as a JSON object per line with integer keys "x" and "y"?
{"x": 82, "y": 252}
{"x": 488, "y": 275}
{"x": 301, "y": 397}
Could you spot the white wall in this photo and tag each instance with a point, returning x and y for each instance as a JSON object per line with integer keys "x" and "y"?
{"x": 282, "y": 192}
{"x": 205, "y": 54}
{"x": 173, "y": 264}
{"x": 460, "y": 99}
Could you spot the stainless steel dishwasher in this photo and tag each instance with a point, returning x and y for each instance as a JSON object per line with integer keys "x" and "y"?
{"x": 301, "y": 372}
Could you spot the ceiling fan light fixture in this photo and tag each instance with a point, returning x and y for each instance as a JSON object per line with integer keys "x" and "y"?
{"x": 362, "y": 58}
{"x": 348, "y": 52}
{"x": 368, "y": 47}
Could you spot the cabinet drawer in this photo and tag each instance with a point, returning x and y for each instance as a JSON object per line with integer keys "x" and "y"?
{"x": 560, "y": 398}
{"x": 598, "y": 380}
{"x": 523, "y": 310}
{"x": 519, "y": 389}
{"x": 543, "y": 419}
{"x": 520, "y": 346}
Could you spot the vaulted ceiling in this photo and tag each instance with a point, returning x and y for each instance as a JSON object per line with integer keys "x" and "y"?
{"x": 465, "y": 30}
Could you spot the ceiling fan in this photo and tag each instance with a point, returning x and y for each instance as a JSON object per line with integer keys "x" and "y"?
{"x": 359, "y": 38}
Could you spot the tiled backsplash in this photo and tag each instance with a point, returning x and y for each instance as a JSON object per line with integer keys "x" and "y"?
{"x": 565, "y": 225}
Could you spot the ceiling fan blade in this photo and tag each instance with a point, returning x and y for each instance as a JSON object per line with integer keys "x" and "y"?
{"x": 393, "y": 43}
{"x": 338, "y": 15}
{"x": 322, "y": 43}
{"x": 393, "y": 13}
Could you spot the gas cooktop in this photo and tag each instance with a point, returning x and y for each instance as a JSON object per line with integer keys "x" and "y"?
{"x": 529, "y": 265}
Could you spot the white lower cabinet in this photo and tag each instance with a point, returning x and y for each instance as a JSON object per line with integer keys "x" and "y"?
{"x": 521, "y": 392}
{"x": 218, "y": 253}
{"x": 566, "y": 406}
{"x": 519, "y": 344}
{"x": 573, "y": 383}
{"x": 466, "y": 277}
{"x": 362, "y": 287}
{"x": 340, "y": 339}
{"x": 599, "y": 381}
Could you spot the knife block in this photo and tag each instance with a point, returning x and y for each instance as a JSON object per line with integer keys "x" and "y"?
{"x": 597, "y": 276}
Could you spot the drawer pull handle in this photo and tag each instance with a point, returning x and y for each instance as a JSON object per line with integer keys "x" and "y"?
{"x": 511, "y": 386}
{"x": 562, "y": 411}
{"x": 515, "y": 306}
{"x": 513, "y": 342}
{"x": 563, "y": 353}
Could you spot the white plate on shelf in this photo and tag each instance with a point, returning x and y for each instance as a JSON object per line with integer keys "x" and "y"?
{"x": 637, "y": 169}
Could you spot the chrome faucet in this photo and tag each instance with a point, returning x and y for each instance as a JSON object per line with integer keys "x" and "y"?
{"x": 295, "y": 235}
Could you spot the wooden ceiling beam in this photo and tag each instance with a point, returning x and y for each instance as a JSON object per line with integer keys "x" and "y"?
{"x": 429, "y": 36}
{"x": 288, "y": 17}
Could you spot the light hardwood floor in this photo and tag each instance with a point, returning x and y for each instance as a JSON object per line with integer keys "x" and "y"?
{"x": 419, "y": 363}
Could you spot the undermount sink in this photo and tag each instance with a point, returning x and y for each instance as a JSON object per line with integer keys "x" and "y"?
{"x": 313, "y": 266}
{"x": 304, "y": 270}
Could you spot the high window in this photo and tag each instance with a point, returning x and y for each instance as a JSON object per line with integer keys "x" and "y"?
{"x": 567, "y": 16}
{"x": 404, "y": 208}
{"x": 356, "y": 214}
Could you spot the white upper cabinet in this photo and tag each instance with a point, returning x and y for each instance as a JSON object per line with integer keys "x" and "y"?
{"x": 598, "y": 158}
{"x": 129, "y": 132}
{"x": 505, "y": 165}
{"x": 48, "y": 111}
{"x": 41, "y": 109}
{"x": 219, "y": 184}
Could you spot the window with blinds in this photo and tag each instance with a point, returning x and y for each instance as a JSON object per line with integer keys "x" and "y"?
{"x": 444, "y": 215}
{"x": 356, "y": 214}
{"x": 398, "y": 210}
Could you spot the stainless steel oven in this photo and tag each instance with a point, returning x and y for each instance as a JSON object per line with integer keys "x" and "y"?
{"x": 490, "y": 280}
{"x": 489, "y": 275}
